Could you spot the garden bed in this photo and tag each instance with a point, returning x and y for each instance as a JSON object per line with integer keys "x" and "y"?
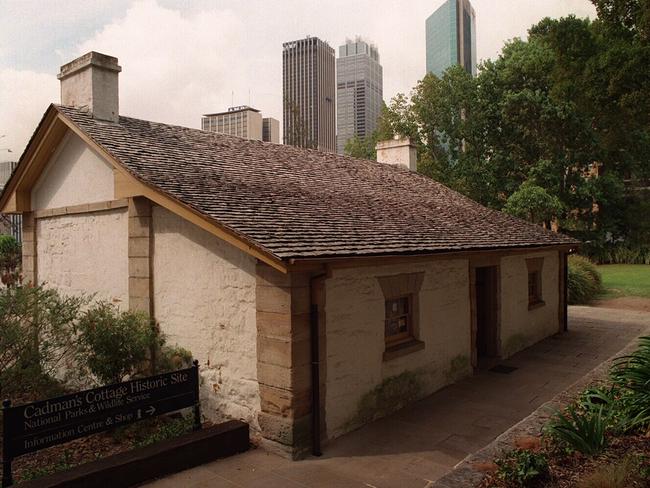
{"x": 601, "y": 439}
{"x": 98, "y": 446}
{"x": 624, "y": 464}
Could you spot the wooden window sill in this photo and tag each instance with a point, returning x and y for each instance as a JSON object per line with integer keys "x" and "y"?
{"x": 533, "y": 306}
{"x": 402, "y": 349}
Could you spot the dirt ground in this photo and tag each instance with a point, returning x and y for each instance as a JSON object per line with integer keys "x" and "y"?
{"x": 625, "y": 303}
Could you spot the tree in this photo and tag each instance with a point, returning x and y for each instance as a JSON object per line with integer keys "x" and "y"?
{"x": 362, "y": 147}
{"x": 533, "y": 203}
{"x": 566, "y": 111}
{"x": 626, "y": 17}
{"x": 299, "y": 133}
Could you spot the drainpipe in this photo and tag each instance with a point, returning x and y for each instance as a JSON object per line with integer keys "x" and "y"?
{"x": 314, "y": 337}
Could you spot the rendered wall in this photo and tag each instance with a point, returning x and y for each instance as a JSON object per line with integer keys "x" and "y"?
{"x": 521, "y": 327}
{"x": 204, "y": 299}
{"x": 356, "y": 372}
{"x": 75, "y": 175}
{"x": 85, "y": 253}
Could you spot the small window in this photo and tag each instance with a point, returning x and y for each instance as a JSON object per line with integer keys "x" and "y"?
{"x": 534, "y": 295}
{"x": 535, "y": 282}
{"x": 399, "y": 320}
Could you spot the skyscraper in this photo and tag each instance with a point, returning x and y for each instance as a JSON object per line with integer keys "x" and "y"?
{"x": 308, "y": 86}
{"x": 451, "y": 37}
{"x": 359, "y": 91}
{"x": 271, "y": 130}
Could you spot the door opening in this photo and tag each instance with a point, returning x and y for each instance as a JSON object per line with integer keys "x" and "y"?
{"x": 487, "y": 303}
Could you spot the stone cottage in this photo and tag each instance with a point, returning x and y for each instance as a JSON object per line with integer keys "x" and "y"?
{"x": 310, "y": 286}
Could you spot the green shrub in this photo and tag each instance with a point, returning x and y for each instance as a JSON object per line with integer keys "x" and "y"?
{"x": 170, "y": 358}
{"x": 522, "y": 468}
{"x": 618, "y": 253}
{"x": 584, "y": 280}
{"x": 37, "y": 336}
{"x": 631, "y": 374}
{"x": 580, "y": 430}
{"x": 10, "y": 260}
{"x": 114, "y": 344}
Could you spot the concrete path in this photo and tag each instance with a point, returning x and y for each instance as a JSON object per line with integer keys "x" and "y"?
{"x": 419, "y": 444}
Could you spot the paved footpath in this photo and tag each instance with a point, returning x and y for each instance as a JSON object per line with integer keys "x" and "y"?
{"x": 422, "y": 442}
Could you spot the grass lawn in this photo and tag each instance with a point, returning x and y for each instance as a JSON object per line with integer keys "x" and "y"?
{"x": 626, "y": 280}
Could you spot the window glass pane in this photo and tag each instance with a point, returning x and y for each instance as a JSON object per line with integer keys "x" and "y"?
{"x": 533, "y": 291}
{"x": 392, "y": 327}
{"x": 403, "y": 324}
{"x": 397, "y": 317}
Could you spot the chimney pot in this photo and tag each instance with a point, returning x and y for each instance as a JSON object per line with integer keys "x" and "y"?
{"x": 91, "y": 81}
{"x": 399, "y": 151}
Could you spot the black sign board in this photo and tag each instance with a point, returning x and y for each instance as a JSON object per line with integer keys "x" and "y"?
{"x": 34, "y": 426}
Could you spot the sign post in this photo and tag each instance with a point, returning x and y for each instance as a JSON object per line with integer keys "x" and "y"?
{"x": 7, "y": 479}
{"x": 34, "y": 426}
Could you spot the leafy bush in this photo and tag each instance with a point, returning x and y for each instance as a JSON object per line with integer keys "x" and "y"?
{"x": 631, "y": 374}
{"x": 618, "y": 253}
{"x": 582, "y": 431}
{"x": 46, "y": 338}
{"x": 114, "y": 344}
{"x": 170, "y": 358}
{"x": 10, "y": 260}
{"x": 522, "y": 468}
{"x": 37, "y": 335}
{"x": 584, "y": 280}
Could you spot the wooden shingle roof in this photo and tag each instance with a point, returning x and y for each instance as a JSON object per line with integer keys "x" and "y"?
{"x": 301, "y": 203}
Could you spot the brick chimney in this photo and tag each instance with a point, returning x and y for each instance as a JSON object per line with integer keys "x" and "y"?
{"x": 90, "y": 81}
{"x": 398, "y": 150}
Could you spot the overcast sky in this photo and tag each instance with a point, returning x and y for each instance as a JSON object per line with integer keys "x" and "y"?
{"x": 183, "y": 58}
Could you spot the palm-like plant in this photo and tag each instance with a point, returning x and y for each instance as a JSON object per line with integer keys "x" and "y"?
{"x": 582, "y": 431}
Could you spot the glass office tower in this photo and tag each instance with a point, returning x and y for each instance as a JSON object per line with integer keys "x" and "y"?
{"x": 359, "y": 91}
{"x": 451, "y": 37}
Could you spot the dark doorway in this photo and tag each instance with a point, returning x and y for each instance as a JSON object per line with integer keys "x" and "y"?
{"x": 487, "y": 304}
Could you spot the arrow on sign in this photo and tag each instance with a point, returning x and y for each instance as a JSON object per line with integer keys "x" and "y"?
{"x": 151, "y": 410}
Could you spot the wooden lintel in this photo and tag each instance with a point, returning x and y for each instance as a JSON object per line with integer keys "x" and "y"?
{"x": 83, "y": 208}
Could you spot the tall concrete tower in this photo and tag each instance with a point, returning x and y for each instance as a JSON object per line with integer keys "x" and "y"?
{"x": 308, "y": 85}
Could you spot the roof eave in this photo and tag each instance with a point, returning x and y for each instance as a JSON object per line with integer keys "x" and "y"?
{"x": 373, "y": 258}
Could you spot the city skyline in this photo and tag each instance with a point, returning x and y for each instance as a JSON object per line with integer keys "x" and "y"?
{"x": 216, "y": 49}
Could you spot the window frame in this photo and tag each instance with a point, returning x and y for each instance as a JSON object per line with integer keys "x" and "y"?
{"x": 395, "y": 287}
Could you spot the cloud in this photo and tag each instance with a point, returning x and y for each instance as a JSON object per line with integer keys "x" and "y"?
{"x": 175, "y": 67}
{"x": 24, "y": 96}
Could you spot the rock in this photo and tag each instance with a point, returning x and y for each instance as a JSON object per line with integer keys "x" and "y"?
{"x": 485, "y": 467}
{"x": 528, "y": 443}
